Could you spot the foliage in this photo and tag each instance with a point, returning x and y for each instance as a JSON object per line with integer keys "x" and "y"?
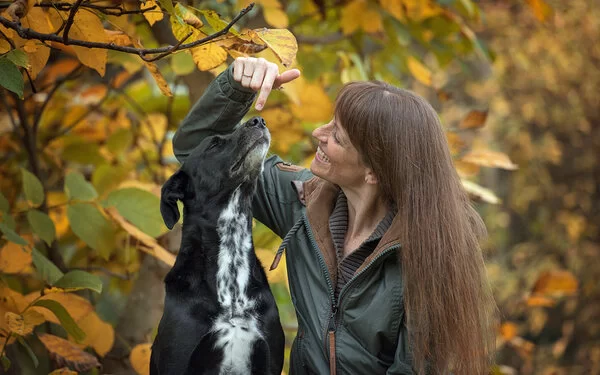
{"x": 88, "y": 113}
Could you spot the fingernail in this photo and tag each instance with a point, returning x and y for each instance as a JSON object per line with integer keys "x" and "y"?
{"x": 259, "y": 106}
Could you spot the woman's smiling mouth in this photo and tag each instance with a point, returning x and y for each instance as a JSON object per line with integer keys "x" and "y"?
{"x": 320, "y": 155}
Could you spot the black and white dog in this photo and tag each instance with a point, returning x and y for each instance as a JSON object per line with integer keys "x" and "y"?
{"x": 220, "y": 316}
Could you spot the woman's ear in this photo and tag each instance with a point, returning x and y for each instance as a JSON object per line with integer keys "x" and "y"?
{"x": 172, "y": 191}
{"x": 370, "y": 177}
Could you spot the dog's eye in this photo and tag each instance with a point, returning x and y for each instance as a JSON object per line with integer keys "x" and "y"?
{"x": 214, "y": 143}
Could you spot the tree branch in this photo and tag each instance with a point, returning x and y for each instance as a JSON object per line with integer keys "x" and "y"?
{"x": 111, "y": 10}
{"x": 27, "y": 33}
{"x": 70, "y": 21}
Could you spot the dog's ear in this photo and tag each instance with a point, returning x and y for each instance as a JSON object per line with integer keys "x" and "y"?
{"x": 172, "y": 191}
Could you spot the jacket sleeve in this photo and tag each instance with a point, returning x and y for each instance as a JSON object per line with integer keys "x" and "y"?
{"x": 220, "y": 109}
{"x": 276, "y": 202}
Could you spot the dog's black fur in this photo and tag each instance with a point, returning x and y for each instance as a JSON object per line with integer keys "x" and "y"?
{"x": 186, "y": 342}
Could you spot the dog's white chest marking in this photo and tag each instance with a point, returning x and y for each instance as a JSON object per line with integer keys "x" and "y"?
{"x": 237, "y": 327}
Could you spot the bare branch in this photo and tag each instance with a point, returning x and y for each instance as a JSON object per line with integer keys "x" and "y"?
{"x": 174, "y": 48}
{"x": 27, "y": 33}
{"x": 111, "y": 10}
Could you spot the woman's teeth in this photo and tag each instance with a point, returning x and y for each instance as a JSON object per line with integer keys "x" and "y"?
{"x": 322, "y": 155}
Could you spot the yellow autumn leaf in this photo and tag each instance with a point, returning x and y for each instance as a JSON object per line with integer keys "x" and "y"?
{"x": 98, "y": 334}
{"x": 24, "y": 324}
{"x": 314, "y": 97}
{"x": 156, "y": 74}
{"x": 488, "y": 158}
{"x": 541, "y": 9}
{"x": 68, "y": 353}
{"x": 393, "y": 7}
{"x": 555, "y": 283}
{"x": 208, "y": 56}
{"x": 140, "y": 358}
{"x": 38, "y": 20}
{"x": 118, "y": 37}
{"x": 540, "y": 301}
{"x": 153, "y": 15}
{"x": 78, "y": 307}
{"x": 276, "y": 17}
{"x": 419, "y": 10}
{"x": 14, "y": 258}
{"x": 359, "y": 15}
{"x": 282, "y": 42}
{"x": 465, "y": 169}
{"x": 419, "y": 71}
{"x": 88, "y": 26}
{"x": 4, "y": 46}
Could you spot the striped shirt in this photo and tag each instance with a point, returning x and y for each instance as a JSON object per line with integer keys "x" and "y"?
{"x": 338, "y": 225}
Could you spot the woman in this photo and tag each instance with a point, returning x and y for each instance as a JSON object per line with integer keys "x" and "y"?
{"x": 384, "y": 265}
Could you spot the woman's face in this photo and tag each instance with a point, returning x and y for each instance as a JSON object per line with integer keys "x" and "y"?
{"x": 336, "y": 159}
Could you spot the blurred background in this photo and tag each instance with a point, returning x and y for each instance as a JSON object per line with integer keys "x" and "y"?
{"x": 85, "y": 145}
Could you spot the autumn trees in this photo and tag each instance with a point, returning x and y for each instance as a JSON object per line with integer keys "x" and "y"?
{"x": 88, "y": 105}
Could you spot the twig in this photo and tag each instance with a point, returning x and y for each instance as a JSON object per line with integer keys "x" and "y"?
{"x": 32, "y": 34}
{"x": 70, "y": 21}
{"x": 12, "y": 44}
{"x": 115, "y": 10}
{"x": 174, "y": 48}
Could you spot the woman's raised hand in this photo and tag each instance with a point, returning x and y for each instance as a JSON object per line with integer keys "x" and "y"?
{"x": 260, "y": 74}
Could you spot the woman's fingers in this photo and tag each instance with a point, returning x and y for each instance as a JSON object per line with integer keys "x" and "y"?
{"x": 287, "y": 76}
{"x": 260, "y": 74}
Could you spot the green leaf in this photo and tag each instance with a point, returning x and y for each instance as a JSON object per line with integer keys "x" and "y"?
{"x": 140, "y": 207}
{"x": 18, "y": 57}
{"x": 11, "y": 235}
{"x": 119, "y": 141}
{"x": 42, "y": 225}
{"x": 34, "y": 191}
{"x": 76, "y": 187}
{"x": 88, "y": 223}
{"x": 215, "y": 22}
{"x": 167, "y": 5}
{"x": 83, "y": 153}
{"x": 11, "y": 78}
{"x": 107, "y": 177}
{"x": 8, "y": 220}
{"x": 47, "y": 270}
{"x": 29, "y": 351}
{"x": 4, "y": 205}
{"x": 66, "y": 321}
{"x": 77, "y": 280}
{"x": 5, "y": 363}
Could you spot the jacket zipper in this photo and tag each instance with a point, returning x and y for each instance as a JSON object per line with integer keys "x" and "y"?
{"x": 331, "y": 329}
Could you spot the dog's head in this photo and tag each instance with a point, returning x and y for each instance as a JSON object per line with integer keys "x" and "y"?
{"x": 216, "y": 167}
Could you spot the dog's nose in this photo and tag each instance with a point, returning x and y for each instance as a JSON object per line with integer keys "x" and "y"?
{"x": 257, "y": 121}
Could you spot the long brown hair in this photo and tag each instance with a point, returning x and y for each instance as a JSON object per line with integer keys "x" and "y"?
{"x": 449, "y": 306}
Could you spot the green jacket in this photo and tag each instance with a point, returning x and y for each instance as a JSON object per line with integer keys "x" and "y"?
{"x": 364, "y": 331}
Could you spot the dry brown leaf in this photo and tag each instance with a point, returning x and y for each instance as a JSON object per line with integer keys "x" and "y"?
{"x": 488, "y": 158}
{"x": 555, "y": 283}
{"x": 474, "y": 120}
{"x": 65, "y": 353}
{"x": 282, "y": 42}
{"x": 118, "y": 37}
{"x": 140, "y": 358}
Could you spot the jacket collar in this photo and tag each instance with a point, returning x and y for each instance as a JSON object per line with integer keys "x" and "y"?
{"x": 319, "y": 196}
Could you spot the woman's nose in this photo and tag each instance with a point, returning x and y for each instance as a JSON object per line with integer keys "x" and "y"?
{"x": 321, "y": 133}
